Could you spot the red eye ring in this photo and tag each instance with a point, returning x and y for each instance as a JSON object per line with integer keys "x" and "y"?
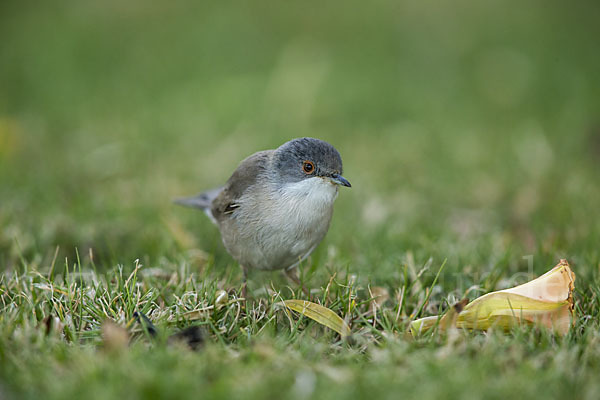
{"x": 308, "y": 167}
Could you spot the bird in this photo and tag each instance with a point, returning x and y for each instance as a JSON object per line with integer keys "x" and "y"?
{"x": 277, "y": 205}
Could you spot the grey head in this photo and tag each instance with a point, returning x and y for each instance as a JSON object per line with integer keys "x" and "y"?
{"x": 306, "y": 158}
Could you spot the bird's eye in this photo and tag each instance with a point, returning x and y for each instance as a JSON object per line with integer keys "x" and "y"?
{"x": 308, "y": 167}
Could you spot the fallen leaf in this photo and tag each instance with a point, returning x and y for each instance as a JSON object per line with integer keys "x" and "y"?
{"x": 320, "y": 314}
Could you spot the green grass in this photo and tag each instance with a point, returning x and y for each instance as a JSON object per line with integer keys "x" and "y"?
{"x": 470, "y": 133}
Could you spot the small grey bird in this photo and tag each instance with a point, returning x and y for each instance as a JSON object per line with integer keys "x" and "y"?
{"x": 276, "y": 207}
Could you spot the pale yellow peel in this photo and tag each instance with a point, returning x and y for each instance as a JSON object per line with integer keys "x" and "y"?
{"x": 555, "y": 285}
{"x": 546, "y": 301}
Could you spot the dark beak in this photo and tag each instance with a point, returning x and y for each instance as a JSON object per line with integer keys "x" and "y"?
{"x": 340, "y": 180}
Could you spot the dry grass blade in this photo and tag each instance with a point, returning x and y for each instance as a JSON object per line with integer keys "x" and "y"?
{"x": 320, "y": 314}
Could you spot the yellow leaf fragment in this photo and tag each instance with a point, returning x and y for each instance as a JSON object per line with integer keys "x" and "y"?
{"x": 545, "y": 301}
{"x": 320, "y": 314}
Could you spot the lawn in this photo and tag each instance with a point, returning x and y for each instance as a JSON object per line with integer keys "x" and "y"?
{"x": 470, "y": 132}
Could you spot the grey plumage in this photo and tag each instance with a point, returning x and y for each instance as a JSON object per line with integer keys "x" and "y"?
{"x": 277, "y": 205}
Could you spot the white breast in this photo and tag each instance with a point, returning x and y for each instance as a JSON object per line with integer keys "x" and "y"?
{"x": 307, "y": 199}
{"x": 291, "y": 226}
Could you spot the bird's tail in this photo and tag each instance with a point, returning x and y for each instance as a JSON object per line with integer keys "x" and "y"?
{"x": 202, "y": 201}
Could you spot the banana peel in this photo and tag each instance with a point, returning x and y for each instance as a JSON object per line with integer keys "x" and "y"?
{"x": 545, "y": 301}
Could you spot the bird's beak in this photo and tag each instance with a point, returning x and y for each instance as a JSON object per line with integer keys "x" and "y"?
{"x": 340, "y": 180}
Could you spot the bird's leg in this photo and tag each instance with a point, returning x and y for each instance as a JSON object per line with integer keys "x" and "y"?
{"x": 244, "y": 281}
{"x": 292, "y": 274}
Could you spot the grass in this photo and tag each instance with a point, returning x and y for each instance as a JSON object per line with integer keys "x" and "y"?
{"x": 469, "y": 133}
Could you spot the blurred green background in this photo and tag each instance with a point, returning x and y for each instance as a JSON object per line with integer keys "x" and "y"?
{"x": 469, "y": 130}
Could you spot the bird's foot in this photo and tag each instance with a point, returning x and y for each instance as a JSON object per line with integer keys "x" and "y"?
{"x": 292, "y": 275}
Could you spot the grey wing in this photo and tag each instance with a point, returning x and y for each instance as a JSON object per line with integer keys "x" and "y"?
{"x": 242, "y": 178}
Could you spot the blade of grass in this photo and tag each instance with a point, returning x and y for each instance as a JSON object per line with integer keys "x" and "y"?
{"x": 422, "y": 306}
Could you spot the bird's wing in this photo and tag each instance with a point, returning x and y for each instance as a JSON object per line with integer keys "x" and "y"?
{"x": 242, "y": 178}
